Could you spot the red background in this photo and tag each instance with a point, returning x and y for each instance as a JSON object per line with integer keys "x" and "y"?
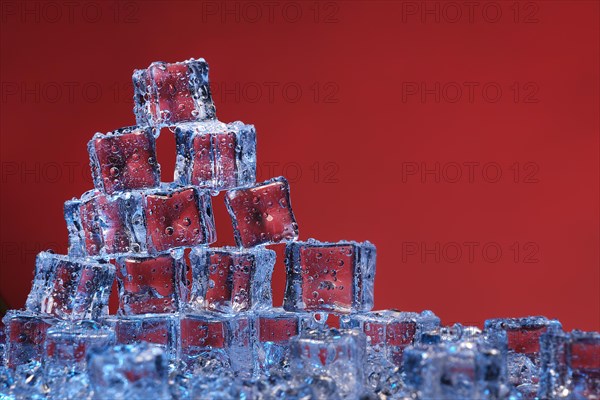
{"x": 346, "y": 137}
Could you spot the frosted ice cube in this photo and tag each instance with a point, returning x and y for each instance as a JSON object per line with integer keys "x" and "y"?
{"x": 329, "y": 277}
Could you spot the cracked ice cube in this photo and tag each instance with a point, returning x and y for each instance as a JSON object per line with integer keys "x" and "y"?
{"x": 216, "y": 156}
{"x": 570, "y": 365}
{"x": 337, "y": 354}
{"x": 151, "y": 285}
{"x": 70, "y": 288}
{"x": 66, "y": 347}
{"x": 177, "y": 218}
{"x": 26, "y": 334}
{"x": 124, "y": 160}
{"x": 129, "y": 372}
{"x": 329, "y": 277}
{"x": 466, "y": 369}
{"x": 273, "y": 330}
{"x": 213, "y": 343}
{"x": 262, "y": 214}
{"x": 229, "y": 279}
{"x": 166, "y": 94}
{"x": 158, "y": 329}
{"x": 389, "y": 332}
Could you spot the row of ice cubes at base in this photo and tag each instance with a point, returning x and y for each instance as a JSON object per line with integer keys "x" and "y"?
{"x": 196, "y": 344}
{"x": 449, "y": 363}
{"x": 156, "y": 220}
{"x": 321, "y": 277}
{"x": 210, "y": 154}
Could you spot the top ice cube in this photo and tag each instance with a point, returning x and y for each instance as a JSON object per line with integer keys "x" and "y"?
{"x": 166, "y": 94}
{"x": 124, "y": 159}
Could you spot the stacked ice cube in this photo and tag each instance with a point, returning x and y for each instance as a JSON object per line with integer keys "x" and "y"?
{"x": 198, "y": 322}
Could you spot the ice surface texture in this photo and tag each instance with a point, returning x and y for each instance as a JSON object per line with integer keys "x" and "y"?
{"x": 129, "y": 372}
{"x": 124, "y": 160}
{"x": 215, "y": 156}
{"x": 334, "y": 277}
{"x": 144, "y": 222}
{"x": 231, "y": 280}
{"x": 262, "y": 214}
{"x": 70, "y": 288}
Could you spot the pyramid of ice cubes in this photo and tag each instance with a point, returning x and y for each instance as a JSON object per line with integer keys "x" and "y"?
{"x": 198, "y": 322}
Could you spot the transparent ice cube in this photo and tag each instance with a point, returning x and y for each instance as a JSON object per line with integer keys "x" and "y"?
{"x": 166, "y": 94}
{"x": 215, "y": 156}
{"x": 230, "y": 279}
{"x": 329, "y": 277}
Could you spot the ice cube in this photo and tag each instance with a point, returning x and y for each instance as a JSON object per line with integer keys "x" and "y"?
{"x": 216, "y": 156}
{"x": 178, "y": 217}
{"x": 128, "y": 372}
{"x": 213, "y": 343}
{"x": 523, "y": 342}
{"x": 337, "y": 354}
{"x": 570, "y": 365}
{"x": 143, "y": 222}
{"x": 229, "y": 279}
{"x": 169, "y": 93}
{"x": 70, "y": 288}
{"x": 159, "y": 329}
{"x": 152, "y": 284}
{"x": 272, "y": 331}
{"x": 100, "y": 225}
{"x": 465, "y": 369}
{"x": 65, "y": 365}
{"x": 26, "y": 334}
{"x": 389, "y": 332}
{"x": 124, "y": 159}
{"x": 330, "y": 277}
{"x": 262, "y": 214}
